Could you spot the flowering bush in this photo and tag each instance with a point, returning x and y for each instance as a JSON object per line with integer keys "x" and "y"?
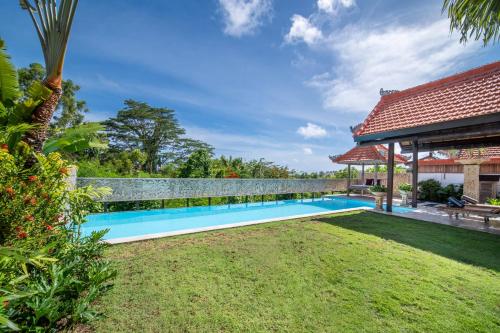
{"x": 49, "y": 274}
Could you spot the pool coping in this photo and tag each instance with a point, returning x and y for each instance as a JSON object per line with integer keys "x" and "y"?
{"x": 227, "y": 226}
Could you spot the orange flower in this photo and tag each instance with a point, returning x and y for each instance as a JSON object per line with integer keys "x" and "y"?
{"x": 4, "y": 147}
{"x": 22, "y": 235}
{"x": 29, "y": 218}
{"x": 5, "y": 304}
{"x": 33, "y": 201}
{"x": 32, "y": 178}
{"x": 64, "y": 171}
{"x": 10, "y": 191}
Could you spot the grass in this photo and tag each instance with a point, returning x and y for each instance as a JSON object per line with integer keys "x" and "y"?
{"x": 360, "y": 272}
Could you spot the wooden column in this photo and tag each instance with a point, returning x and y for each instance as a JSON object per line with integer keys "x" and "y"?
{"x": 348, "y": 179}
{"x": 414, "y": 176}
{"x": 390, "y": 177}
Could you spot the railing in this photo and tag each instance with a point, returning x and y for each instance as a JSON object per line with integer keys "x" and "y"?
{"x": 138, "y": 189}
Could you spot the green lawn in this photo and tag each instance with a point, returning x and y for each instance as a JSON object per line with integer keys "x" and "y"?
{"x": 361, "y": 272}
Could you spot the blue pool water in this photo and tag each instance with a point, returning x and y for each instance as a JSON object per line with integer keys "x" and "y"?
{"x": 171, "y": 220}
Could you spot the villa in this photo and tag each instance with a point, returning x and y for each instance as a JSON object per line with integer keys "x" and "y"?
{"x": 177, "y": 177}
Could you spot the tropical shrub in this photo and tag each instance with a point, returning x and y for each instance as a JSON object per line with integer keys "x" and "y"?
{"x": 49, "y": 274}
{"x": 405, "y": 187}
{"x": 378, "y": 188}
{"x": 431, "y": 190}
{"x": 493, "y": 201}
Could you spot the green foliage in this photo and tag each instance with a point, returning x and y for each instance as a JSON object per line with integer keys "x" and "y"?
{"x": 429, "y": 190}
{"x": 378, "y": 188}
{"x": 474, "y": 19}
{"x": 405, "y": 187}
{"x": 493, "y": 201}
{"x": 432, "y": 190}
{"x": 398, "y": 169}
{"x": 343, "y": 173}
{"x": 9, "y": 89}
{"x": 198, "y": 165}
{"x": 50, "y": 276}
{"x": 76, "y": 139}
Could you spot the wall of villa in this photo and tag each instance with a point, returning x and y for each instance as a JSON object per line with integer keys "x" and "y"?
{"x": 138, "y": 189}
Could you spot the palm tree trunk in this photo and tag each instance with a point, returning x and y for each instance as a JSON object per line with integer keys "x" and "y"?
{"x": 41, "y": 118}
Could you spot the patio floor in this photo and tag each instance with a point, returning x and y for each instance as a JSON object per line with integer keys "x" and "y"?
{"x": 428, "y": 213}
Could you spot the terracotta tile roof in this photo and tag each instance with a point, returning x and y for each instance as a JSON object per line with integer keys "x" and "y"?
{"x": 461, "y": 96}
{"x": 376, "y": 154}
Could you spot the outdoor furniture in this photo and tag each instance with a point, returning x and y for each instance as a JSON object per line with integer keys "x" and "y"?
{"x": 456, "y": 207}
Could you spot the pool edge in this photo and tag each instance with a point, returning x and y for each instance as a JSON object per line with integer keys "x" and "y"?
{"x": 226, "y": 226}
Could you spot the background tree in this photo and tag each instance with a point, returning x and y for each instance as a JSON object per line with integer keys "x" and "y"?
{"x": 70, "y": 110}
{"x": 477, "y": 19}
{"x": 155, "y": 131}
{"x": 198, "y": 165}
{"x": 53, "y": 26}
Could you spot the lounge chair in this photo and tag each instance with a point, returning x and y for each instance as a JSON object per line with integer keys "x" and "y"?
{"x": 464, "y": 207}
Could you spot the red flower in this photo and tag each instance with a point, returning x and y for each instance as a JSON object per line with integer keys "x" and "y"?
{"x": 33, "y": 201}
{"x": 10, "y": 191}
{"x": 32, "y": 178}
{"x": 233, "y": 175}
{"x": 49, "y": 227}
{"x": 64, "y": 171}
{"x": 22, "y": 235}
{"x": 29, "y": 218}
{"x": 4, "y": 147}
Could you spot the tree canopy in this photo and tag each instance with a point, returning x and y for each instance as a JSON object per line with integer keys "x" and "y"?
{"x": 155, "y": 131}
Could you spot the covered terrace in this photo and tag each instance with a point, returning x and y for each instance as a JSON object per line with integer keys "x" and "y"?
{"x": 370, "y": 155}
{"x": 461, "y": 111}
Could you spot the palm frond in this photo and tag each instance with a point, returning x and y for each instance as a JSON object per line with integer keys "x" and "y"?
{"x": 12, "y": 134}
{"x": 474, "y": 19}
{"x": 53, "y": 25}
{"x": 9, "y": 86}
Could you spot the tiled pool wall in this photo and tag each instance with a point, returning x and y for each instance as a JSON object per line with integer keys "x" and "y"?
{"x": 138, "y": 189}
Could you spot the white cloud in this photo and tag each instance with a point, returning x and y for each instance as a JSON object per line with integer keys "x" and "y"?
{"x": 307, "y": 151}
{"x": 312, "y": 131}
{"x": 394, "y": 57}
{"x": 243, "y": 17}
{"x": 331, "y": 6}
{"x": 303, "y": 29}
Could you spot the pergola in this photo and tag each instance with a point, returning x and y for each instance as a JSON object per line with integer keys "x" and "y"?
{"x": 457, "y": 112}
{"x": 369, "y": 155}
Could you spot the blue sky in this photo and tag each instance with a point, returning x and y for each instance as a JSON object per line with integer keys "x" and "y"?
{"x": 279, "y": 79}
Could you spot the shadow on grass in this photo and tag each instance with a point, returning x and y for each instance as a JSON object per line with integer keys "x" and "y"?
{"x": 467, "y": 246}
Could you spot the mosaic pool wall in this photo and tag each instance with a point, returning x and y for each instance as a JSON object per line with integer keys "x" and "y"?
{"x": 137, "y": 189}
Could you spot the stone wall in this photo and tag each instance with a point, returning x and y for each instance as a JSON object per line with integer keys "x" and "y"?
{"x": 137, "y": 189}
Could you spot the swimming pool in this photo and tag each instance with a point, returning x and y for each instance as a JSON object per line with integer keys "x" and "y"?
{"x": 145, "y": 224}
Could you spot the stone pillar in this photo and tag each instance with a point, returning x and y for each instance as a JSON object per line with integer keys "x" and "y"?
{"x": 471, "y": 180}
{"x": 71, "y": 179}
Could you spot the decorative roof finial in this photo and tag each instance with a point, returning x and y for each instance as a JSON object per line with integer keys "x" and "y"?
{"x": 387, "y": 92}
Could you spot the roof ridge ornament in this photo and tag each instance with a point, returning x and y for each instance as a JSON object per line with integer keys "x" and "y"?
{"x": 355, "y": 128}
{"x": 387, "y": 92}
